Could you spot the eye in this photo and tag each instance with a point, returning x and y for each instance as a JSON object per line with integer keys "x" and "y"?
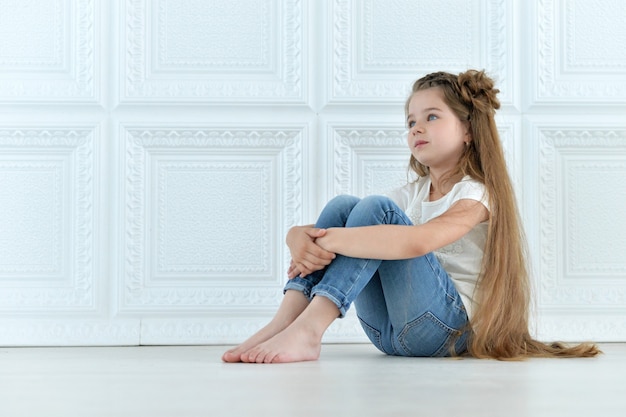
{"x": 410, "y": 124}
{"x": 431, "y": 117}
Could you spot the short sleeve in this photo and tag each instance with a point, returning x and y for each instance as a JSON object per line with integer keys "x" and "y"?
{"x": 469, "y": 189}
{"x": 400, "y": 196}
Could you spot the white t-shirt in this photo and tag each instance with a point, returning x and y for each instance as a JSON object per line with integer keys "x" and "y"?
{"x": 461, "y": 259}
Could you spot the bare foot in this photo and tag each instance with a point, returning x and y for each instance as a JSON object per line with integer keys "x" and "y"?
{"x": 301, "y": 340}
{"x": 292, "y": 305}
{"x": 296, "y": 343}
{"x": 271, "y": 329}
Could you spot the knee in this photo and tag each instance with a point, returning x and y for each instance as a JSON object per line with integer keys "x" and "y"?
{"x": 370, "y": 210}
{"x": 374, "y": 202}
{"x": 343, "y": 201}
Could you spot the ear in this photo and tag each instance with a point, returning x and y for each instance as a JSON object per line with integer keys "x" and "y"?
{"x": 467, "y": 138}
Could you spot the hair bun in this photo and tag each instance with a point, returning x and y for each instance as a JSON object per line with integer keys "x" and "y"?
{"x": 477, "y": 89}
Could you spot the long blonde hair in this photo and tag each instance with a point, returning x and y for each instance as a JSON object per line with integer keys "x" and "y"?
{"x": 500, "y": 323}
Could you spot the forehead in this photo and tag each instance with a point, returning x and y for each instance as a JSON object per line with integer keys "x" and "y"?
{"x": 431, "y": 97}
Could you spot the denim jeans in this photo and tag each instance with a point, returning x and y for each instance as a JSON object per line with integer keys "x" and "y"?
{"x": 406, "y": 307}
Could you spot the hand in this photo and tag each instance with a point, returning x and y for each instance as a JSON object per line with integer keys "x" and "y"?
{"x": 306, "y": 255}
{"x": 293, "y": 270}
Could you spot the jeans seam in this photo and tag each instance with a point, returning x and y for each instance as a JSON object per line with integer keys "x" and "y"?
{"x": 378, "y": 342}
{"x": 349, "y": 290}
{"x": 436, "y": 271}
{"x": 393, "y": 211}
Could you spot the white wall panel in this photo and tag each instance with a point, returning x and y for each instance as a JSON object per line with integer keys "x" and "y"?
{"x": 219, "y": 51}
{"x": 378, "y": 48}
{"x": 52, "y": 282}
{"x": 581, "y": 194}
{"x": 49, "y": 232}
{"x": 205, "y": 211}
{"x": 154, "y": 153}
{"x": 49, "y": 51}
{"x": 579, "y": 55}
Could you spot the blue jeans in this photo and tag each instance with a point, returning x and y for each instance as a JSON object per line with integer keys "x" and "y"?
{"x": 407, "y": 307}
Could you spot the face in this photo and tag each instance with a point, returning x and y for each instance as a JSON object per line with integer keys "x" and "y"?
{"x": 437, "y": 138}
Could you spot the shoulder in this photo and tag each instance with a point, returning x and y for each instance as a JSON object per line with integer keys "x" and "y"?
{"x": 470, "y": 189}
{"x": 404, "y": 195}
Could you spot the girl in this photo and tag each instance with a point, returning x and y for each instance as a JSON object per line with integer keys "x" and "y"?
{"x": 437, "y": 267}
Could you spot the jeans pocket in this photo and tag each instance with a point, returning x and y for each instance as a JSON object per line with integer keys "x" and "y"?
{"x": 427, "y": 336}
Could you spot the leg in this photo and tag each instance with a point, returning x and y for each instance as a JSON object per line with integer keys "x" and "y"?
{"x": 346, "y": 277}
{"x": 408, "y": 307}
{"x": 301, "y": 340}
{"x": 341, "y": 282}
{"x": 411, "y": 308}
{"x": 292, "y": 305}
{"x": 298, "y": 290}
{"x": 371, "y": 309}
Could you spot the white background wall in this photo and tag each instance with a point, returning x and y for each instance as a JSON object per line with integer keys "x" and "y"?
{"x": 153, "y": 154}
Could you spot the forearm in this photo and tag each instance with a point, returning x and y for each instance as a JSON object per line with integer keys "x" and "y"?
{"x": 374, "y": 242}
{"x": 390, "y": 241}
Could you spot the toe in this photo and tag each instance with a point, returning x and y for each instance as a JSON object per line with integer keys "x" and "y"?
{"x": 231, "y": 356}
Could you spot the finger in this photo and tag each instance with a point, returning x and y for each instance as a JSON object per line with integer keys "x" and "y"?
{"x": 317, "y": 263}
{"x": 315, "y": 233}
{"x": 310, "y": 267}
{"x": 318, "y": 254}
{"x": 304, "y": 269}
{"x": 292, "y": 273}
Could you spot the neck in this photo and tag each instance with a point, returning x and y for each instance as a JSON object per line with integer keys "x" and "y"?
{"x": 440, "y": 184}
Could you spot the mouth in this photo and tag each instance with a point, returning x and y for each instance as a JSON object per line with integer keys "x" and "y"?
{"x": 420, "y": 143}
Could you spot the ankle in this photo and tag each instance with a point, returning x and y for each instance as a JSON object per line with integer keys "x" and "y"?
{"x": 320, "y": 314}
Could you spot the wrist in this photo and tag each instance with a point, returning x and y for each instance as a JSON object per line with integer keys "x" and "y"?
{"x": 328, "y": 241}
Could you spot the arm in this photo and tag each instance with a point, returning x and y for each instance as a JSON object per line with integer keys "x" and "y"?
{"x": 306, "y": 255}
{"x": 403, "y": 242}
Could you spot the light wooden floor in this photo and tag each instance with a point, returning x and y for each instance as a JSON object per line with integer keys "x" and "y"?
{"x": 348, "y": 380}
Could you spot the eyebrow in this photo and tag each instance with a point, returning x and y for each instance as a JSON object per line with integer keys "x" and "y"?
{"x": 431, "y": 109}
{"x": 425, "y": 111}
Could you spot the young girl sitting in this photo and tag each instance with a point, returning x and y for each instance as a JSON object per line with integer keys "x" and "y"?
{"x": 437, "y": 267}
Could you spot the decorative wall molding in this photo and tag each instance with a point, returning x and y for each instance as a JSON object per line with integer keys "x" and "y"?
{"x": 369, "y": 71}
{"x": 582, "y": 327}
{"x": 49, "y": 52}
{"x": 233, "y": 330}
{"x": 582, "y": 270}
{"x": 368, "y": 160}
{"x": 62, "y": 277}
{"x": 211, "y": 284}
{"x": 256, "y": 60}
{"x": 574, "y": 66}
{"x": 69, "y": 332}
